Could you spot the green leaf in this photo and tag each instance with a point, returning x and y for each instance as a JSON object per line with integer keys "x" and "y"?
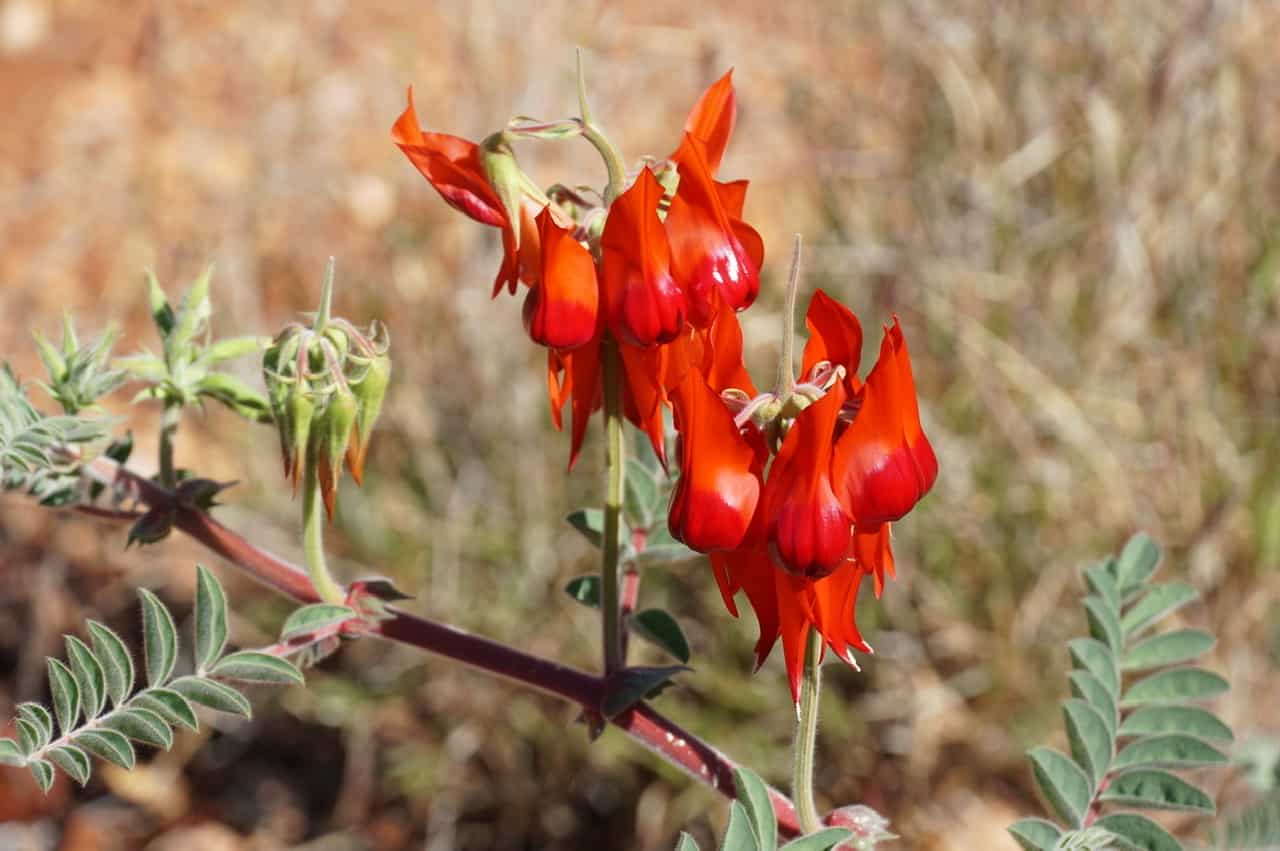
{"x": 1139, "y": 832}
{"x": 686, "y": 843}
{"x": 1035, "y": 834}
{"x": 193, "y": 313}
{"x": 753, "y": 794}
{"x": 1172, "y": 750}
{"x": 38, "y": 717}
{"x": 251, "y": 666}
{"x": 643, "y": 495}
{"x": 109, "y": 745}
{"x": 66, "y": 695}
{"x": 1158, "y": 790}
{"x": 1138, "y": 560}
{"x": 1091, "y": 740}
{"x": 631, "y": 685}
{"x": 1159, "y": 602}
{"x": 1096, "y": 658}
{"x": 43, "y": 772}
{"x": 661, "y": 629}
{"x": 159, "y": 639}
{"x": 1088, "y": 688}
{"x": 142, "y": 725}
{"x": 73, "y": 761}
{"x": 585, "y": 589}
{"x": 1102, "y": 583}
{"x": 213, "y": 695}
{"x": 233, "y": 347}
{"x": 1175, "y": 685}
{"x": 28, "y": 736}
{"x": 89, "y": 677}
{"x": 738, "y": 836}
{"x": 211, "y": 618}
{"x": 11, "y": 753}
{"x": 234, "y": 393}
{"x": 1192, "y": 720}
{"x": 590, "y": 523}
{"x": 1063, "y": 784}
{"x": 1104, "y": 624}
{"x": 1170, "y": 648}
{"x": 117, "y": 663}
{"x": 161, "y": 313}
{"x": 823, "y": 840}
{"x": 169, "y": 705}
{"x": 308, "y": 619}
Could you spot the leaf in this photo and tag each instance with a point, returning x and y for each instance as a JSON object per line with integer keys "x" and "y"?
{"x": 89, "y": 677}
{"x": 73, "y": 761}
{"x": 213, "y": 695}
{"x": 661, "y": 629}
{"x": 193, "y": 313}
{"x": 1158, "y": 790}
{"x": 142, "y": 725}
{"x": 1062, "y": 782}
{"x": 211, "y": 618}
{"x": 738, "y": 836}
{"x": 234, "y": 393}
{"x": 1102, "y": 583}
{"x": 1191, "y": 720}
{"x": 233, "y": 347}
{"x": 1091, "y": 741}
{"x": 1087, "y": 687}
{"x": 686, "y": 843}
{"x": 1173, "y": 750}
{"x": 151, "y": 527}
{"x": 1104, "y": 624}
{"x": 28, "y": 736}
{"x": 252, "y": 666}
{"x": 39, "y": 717}
{"x": 43, "y": 772}
{"x": 643, "y": 494}
{"x": 308, "y": 619}
{"x": 585, "y": 589}
{"x": 590, "y": 523}
{"x": 11, "y": 754}
{"x": 1096, "y": 658}
{"x": 631, "y": 685}
{"x": 1175, "y": 685}
{"x": 1035, "y": 834}
{"x": 753, "y": 794}
{"x": 117, "y": 663}
{"x": 1138, "y": 560}
{"x": 159, "y": 639}
{"x": 823, "y": 840}
{"x": 1170, "y": 648}
{"x": 109, "y": 745}
{"x": 169, "y": 705}
{"x": 66, "y": 695}
{"x": 1159, "y": 602}
{"x": 161, "y": 313}
{"x": 1139, "y": 832}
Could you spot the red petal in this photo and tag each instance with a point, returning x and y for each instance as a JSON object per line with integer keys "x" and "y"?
{"x": 835, "y": 335}
{"x": 712, "y": 118}
{"x": 561, "y": 310}
{"x": 872, "y": 552}
{"x": 644, "y": 305}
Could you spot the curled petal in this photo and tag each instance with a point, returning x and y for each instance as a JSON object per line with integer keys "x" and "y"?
{"x": 712, "y": 118}
{"x": 560, "y": 310}
{"x": 883, "y": 462}
{"x": 873, "y": 554}
{"x": 644, "y": 305}
{"x": 575, "y": 376}
{"x": 835, "y": 335}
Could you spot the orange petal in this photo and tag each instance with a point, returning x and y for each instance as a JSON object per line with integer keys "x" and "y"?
{"x": 712, "y": 118}
{"x": 835, "y": 335}
{"x": 560, "y": 311}
{"x": 644, "y": 305}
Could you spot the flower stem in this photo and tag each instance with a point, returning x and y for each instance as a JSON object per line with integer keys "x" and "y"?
{"x": 616, "y": 471}
{"x": 786, "y": 361}
{"x": 592, "y": 133}
{"x": 806, "y": 736}
{"x": 326, "y": 297}
{"x": 168, "y": 432}
{"x": 313, "y": 538}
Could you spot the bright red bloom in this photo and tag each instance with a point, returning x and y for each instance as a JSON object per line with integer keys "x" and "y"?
{"x": 560, "y": 310}
{"x": 643, "y": 304}
{"x": 883, "y": 462}
{"x": 712, "y": 118}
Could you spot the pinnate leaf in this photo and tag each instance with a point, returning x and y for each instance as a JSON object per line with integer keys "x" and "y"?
{"x": 159, "y": 639}
{"x": 66, "y": 695}
{"x": 1095, "y": 657}
{"x": 43, "y": 773}
{"x": 1137, "y": 562}
{"x": 1091, "y": 741}
{"x": 1088, "y": 688}
{"x": 1139, "y": 832}
{"x": 142, "y": 725}
{"x": 1035, "y": 834}
{"x": 753, "y": 794}
{"x": 39, "y": 717}
{"x": 1159, "y": 790}
{"x": 89, "y": 677}
{"x": 1063, "y": 784}
{"x": 109, "y": 745}
{"x": 213, "y": 695}
{"x": 1173, "y": 750}
{"x": 210, "y": 617}
{"x": 169, "y": 705}
{"x": 73, "y": 761}
{"x": 117, "y": 662}
{"x": 1174, "y": 685}
{"x": 1159, "y": 602}
{"x": 251, "y": 666}
{"x": 1169, "y": 648}
{"x": 308, "y": 619}
{"x": 739, "y": 836}
{"x": 1192, "y": 720}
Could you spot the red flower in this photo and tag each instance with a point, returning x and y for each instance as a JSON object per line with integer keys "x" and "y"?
{"x": 712, "y": 118}
{"x": 644, "y": 305}
{"x": 561, "y": 309}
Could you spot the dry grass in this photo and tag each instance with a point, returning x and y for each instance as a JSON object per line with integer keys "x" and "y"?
{"x": 1074, "y": 206}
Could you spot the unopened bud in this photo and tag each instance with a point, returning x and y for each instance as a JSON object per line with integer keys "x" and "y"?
{"x": 503, "y": 173}
{"x": 333, "y": 432}
{"x": 369, "y": 391}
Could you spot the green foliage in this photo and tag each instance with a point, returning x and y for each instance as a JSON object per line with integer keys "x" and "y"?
{"x": 1126, "y": 738}
{"x": 103, "y": 675}
{"x": 184, "y": 372}
{"x": 78, "y": 377}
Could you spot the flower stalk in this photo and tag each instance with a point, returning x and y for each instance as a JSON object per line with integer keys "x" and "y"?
{"x": 806, "y": 736}
{"x": 615, "y": 491}
{"x": 168, "y": 433}
{"x": 327, "y": 589}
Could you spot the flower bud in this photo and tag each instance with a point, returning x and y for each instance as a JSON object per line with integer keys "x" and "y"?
{"x": 330, "y": 441}
{"x": 369, "y": 392}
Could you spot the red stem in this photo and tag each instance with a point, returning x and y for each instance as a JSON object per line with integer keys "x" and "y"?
{"x": 643, "y": 723}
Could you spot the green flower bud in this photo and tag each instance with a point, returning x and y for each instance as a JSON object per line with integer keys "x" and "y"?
{"x": 332, "y": 435}
{"x": 295, "y": 432}
{"x": 369, "y": 392}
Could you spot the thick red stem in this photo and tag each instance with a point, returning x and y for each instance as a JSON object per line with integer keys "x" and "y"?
{"x": 643, "y": 723}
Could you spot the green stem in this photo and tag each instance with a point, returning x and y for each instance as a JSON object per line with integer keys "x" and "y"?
{"x": 616, "y": 471}
{"x": 806, "y": 736}
{"x": 313, "y": 537}
{"x": 326, "y": 297}
{"x": 786, "y": 362}
{"x": 168, "y": 432}
{"x": 593, "y": 134}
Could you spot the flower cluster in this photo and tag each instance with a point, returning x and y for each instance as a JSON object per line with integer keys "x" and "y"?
{"x": 791, "y": 492}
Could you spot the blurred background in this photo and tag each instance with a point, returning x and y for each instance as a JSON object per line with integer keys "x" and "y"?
{"x": 1073, "y": 206}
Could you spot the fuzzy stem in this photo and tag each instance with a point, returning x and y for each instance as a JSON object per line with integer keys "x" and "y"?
{"x": 313, "y": 537}
{"x": 326, "y": 297}
{"x": 168, "y": 434}
{"x": 615, "y": 489}
{"x": 806, "y": 736}
{"x": 786, "y": 361}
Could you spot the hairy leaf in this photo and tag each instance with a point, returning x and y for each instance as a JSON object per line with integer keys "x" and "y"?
{"x": 73, "y": 761}
{"x": 169, "y": 705}
{"x": 142, "y": 725}
{"x": 11, "y": 753}
{"x": 1139, "y": 832}
{"x": 66, "y": 695}
{"x": 1172, "y": 750}
{"x": 39, "y": 717}
{"x": 738, "y": 836}
{"x": 1170, "y": 648}
{"x": 89, "y": 677}
{"x": 1159, "y": 602}
{"x": 117, "y": 663}
{"x": 43, "y": 773}
{"x": 213, "y": 695}
{"x": 823, "y": 840}
{"x": 251, "y": 666}
{"x": 1137, "y": 562}
{"x": 1175, "y": 685}
{"x": 308, "y": 619}
{"x": 1160, "y": 790}
{"x": 1091, "y": 741}
{"x": 159, "y": 639}
{"x": 109, "y": 745}
{"x": 590, "y": 524}
{"x": 1090, "y": 689}
{"x": 1104, "y": 623}
{"x": 1192, "y": 720}
{"x": 754, "y": 797}
{"x": 1096, "y": 658}
{"x": 1035, "y": 834}
{"x": 1063, "y": 784}
{"x": 585, "y": 589}
{"x": 210, "y": 617}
